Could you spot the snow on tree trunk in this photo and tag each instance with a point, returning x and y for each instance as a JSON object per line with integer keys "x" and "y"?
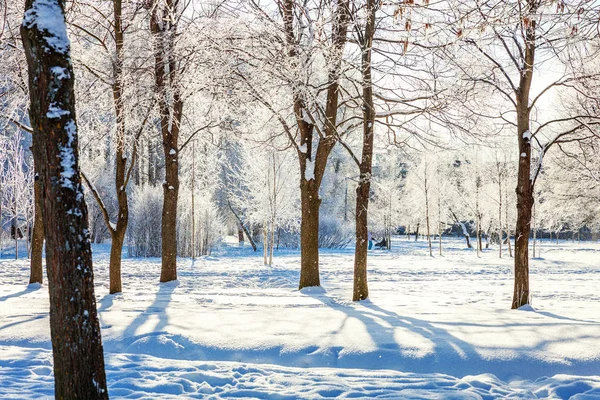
{"x": 74, "y": 326}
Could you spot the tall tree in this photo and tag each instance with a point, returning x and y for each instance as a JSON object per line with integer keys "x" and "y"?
{"x": 363, "y": 190}
{"x": 316, "y": 142}
{"x": 507, "y": 38}
{"x": 163, "y": 25}
{"x": 74, "y": 326}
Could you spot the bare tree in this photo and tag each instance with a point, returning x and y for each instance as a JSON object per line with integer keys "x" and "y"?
{"x": 163, "y": 25}
{"x": 510, "y": 41}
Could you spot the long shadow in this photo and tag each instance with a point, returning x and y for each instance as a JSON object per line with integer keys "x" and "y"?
{"x": 381, "y": 325}
{"x": 158, "y": 307}
{"x": 556, "y": 316}
{"x": 33, "y": 318}
{"x": 28, "y": 289}
{"x": 447, "y": 353}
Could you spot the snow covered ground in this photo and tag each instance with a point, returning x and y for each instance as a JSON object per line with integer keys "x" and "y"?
{"x": 434, "y": 328}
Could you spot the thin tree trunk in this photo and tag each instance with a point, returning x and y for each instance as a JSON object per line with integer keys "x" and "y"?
{"x": 240, "y": 234}
{"x": 500, "y": 234}
{"x": 361, "y": 289}
{"x": 534, "y": 230}
{"x": 243, "y": 227}
{"x": 427, "y": 213}
{"x": 463, "y": 228}
{"x": 271, "y": 245}
{"x": 37, "y": 242}
{"x": 16, "y": 236}
{"x": 194, "y": 203}
{"x": 74, "y": 326}
{"x": 524, "y": 184}
{"x": 265, "y": 243}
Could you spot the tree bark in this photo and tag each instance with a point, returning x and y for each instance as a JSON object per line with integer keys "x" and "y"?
{"x": 118, "y": 232}
{"x": 524, "y": 184}
{"x": 309, "y": 234}
{"x": 164, "y": 29}
{"x": 361, "y": 288}
{"x": 311, "y": 178}
{"x": 74, "y": 326}
{"x": 37, "y": 238}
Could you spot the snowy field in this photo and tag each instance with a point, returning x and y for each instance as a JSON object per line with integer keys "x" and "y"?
{"x": 434, "y": 328}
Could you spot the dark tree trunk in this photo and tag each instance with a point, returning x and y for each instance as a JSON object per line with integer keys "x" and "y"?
{"x": 243, "y": 227}
{"x": 37, "y": 238}
{"x": 74, "y": 327}
{"x": 524, "y": 183}
{"x": 164, "y": 29}
{"x": 118, "y": 231}
{"x": 309, "y": 234}
{"x": 361, "y": 288}
{"x": 311, "y": 178}
{"x": 463, "y": 229}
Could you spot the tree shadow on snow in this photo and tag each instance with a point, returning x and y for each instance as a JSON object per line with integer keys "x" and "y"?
{"x": 429, "y": 348}
{"x": 157, "y": 308}
{"x": 28, "y": 289}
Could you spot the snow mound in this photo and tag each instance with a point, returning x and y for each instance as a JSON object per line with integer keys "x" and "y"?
{"x": 527, "y": 307}
{"x": 161, "y": 345}
{"x": 313, "y": 290}
{"x": 34, "y": 286}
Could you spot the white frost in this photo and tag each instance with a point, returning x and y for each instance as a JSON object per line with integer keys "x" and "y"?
{"x": 49, "y": 19}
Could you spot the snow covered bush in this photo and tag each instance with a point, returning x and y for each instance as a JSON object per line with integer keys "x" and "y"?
{"x": 144, "y": 234}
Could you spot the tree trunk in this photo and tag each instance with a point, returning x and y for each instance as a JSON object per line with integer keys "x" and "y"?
{"x": 427, "y": 221}
{"x": 311, "y": 178}
{"x": 194, "y": 201}
{"x": 170, "y": 105}
{"x": 74, "y": 326}
{"x": 361, "y": 288}
{"x": 309, "y": 234}
{"x": 116, "y": 248}
{"x": 169, "y": 223}
{"x": 500, "y": 233}
{"x": 16, "y": 237}
{"x": 240, "y": 234}
{"x": 242, "y": 227}
{"x": 265, "y": 243}
{"x": 271, "y": 244}
{"x": 524, "y": 184}
{"x": 463, "y": 228}
{"x": 37, "y": 241}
